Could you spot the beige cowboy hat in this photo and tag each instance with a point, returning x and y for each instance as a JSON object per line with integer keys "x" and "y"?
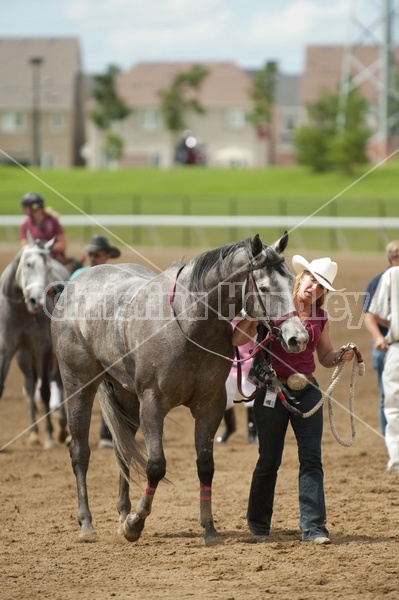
{"x": 323, "y": 269}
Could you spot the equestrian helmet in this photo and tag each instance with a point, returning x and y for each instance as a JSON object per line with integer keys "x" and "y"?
{"x": 33, "y": 200}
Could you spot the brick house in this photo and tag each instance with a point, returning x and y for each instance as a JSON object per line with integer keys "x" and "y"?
{"x": 223, "y": 133}
{"x": 324, "y": 70}
{"x": 42, "y": 101}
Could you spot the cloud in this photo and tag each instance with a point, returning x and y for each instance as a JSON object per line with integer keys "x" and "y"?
{"x": 125, "y": 31}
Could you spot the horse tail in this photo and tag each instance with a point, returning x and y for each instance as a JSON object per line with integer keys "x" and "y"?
{"x": 123, "y": 426}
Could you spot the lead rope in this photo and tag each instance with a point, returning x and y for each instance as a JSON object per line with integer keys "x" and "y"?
{"x": 357, "y": 367}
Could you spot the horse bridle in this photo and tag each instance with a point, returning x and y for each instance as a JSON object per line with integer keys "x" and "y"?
{"x": 274, "y": 331}
{"x": 25, "y": 288}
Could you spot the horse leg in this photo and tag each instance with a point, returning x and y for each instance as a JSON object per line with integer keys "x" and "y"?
{"x": 62, "y": 417}
{"x": 25, "y": 363}
{"x": 151, "y": 422}
{"x": 56, "y": 382}
{"x": 206, "y": 425}
{"x": 80, "y": 399}
{"x": 124, "y": 505}
{"x": 45, "y": 396}
{"x": 5, "y": 360}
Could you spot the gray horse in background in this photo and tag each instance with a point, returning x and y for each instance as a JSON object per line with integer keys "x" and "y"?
{"x": 25, "y": 310}
{"x": 147, "y": 343}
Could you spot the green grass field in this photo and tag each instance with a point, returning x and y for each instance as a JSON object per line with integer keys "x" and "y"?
{"x": 272, "y": 191}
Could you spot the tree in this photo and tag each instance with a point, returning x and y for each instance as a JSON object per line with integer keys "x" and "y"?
{"x": 109, "y": 106}
{"x": 113, "y": 146}
{"x": 178, "y": 99}
{"x": 263, "y": 93}
{"x": 325, "y": 143}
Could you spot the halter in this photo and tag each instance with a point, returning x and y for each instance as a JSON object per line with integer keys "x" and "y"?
{"x": 29, "y": 250}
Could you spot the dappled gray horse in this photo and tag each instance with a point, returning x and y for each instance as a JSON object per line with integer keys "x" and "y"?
{"x": 148, "y": 343}
{"x": 25, "y": 328}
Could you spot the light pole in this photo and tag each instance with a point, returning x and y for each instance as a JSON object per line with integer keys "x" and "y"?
{"x": 36, "y": 61}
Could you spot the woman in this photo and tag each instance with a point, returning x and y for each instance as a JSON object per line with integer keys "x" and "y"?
{"x": 313, "y": 282}
{"x": 42, "y": 224}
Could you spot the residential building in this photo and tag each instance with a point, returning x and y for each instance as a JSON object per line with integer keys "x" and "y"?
{"x": 42, "y": 97}
{"x": 223, "y": 133}
{"x": 326, "y": 68}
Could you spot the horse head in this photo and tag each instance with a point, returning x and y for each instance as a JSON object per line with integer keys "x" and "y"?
{"x": 33, "y": 273}
{"x": 269, "y": 293}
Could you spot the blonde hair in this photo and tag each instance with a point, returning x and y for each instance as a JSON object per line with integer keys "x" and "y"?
{"x": 392, "y": 249}
{"x": 320, "y": 301}
{"x": 51, "y": 212}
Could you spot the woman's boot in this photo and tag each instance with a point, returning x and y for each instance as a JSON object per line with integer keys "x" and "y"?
{"x": 230, "y": 421}
{"x": 252, "y": 434}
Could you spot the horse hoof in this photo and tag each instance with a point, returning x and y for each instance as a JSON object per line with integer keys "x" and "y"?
{"x": 132, "y": 527}
{"x": 50, "y": 444}
{"x": 34, "y": 439}
{"x": 87, "y": 534}
{"x": 213, "y": 540}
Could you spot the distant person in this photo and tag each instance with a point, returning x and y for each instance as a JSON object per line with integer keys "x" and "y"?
{"x": 384, "y": 310}
{"x": 99, "y": 252}
{"x": 378, "y": 355}
{"x": 43, "y": 224}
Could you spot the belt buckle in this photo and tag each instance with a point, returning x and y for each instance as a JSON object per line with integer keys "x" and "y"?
{"x": 297, "y": 381}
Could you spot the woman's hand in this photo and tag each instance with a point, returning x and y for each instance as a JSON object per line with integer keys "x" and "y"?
{"x": 344, "y": 354}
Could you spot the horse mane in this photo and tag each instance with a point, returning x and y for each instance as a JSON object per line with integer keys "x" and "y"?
{"x": 210, "y": 259}
{"x": 214, "y": 258}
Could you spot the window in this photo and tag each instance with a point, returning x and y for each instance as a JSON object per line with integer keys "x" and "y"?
{"x": 12, "y": 122}
{"x": 56, "y": 121}
{"x": 151, "y": 119}
{"x": 47, "y": 160}
{"x": 236, "y": 118}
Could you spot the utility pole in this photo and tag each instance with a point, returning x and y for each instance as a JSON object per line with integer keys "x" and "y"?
{"x": 373, "y": 27}
{"x": 36, "y": 129}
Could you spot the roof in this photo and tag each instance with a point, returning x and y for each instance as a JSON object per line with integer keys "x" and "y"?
{"x": 324, "y": 65}
{"x": 226, "y": 85}
{"x": 57, "y": 72}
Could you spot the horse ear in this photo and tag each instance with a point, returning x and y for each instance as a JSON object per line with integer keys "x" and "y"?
{"x": 48, "y": 245}
{"x": 281, "y": 244}
{"x": 257, "y": 245}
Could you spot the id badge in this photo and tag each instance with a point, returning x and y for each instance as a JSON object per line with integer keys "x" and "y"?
{"x": 270, "y": 396}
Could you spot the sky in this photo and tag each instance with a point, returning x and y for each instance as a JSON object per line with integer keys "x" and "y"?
{"x": 125, "y": 32}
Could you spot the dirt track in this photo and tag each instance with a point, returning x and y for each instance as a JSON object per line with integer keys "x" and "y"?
{"x": 40, "y": 552}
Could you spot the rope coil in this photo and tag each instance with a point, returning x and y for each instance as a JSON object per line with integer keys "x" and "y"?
{"x": 358, "y": 367}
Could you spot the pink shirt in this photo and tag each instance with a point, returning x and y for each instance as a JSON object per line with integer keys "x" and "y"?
{"x": 47, "y": 229}
{"x": 287, "y": 363}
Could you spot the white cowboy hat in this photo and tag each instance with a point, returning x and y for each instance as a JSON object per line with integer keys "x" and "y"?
{"x": 323, "y": 269}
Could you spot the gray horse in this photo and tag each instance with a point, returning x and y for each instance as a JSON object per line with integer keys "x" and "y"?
{"x": 25, "y": 328}
{"x": 147, "y": 343}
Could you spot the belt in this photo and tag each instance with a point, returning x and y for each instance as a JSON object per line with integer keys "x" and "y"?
{"x": 297, "y": 381}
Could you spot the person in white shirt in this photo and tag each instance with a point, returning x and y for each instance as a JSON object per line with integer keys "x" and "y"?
{"x": 384, "y": 310}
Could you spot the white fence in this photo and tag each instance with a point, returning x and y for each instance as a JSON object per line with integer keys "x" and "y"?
{"x": 198, "y": 224}
{"x": 289, "y": 222}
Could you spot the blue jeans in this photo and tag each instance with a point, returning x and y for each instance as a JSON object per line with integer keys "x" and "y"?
{"x": 378, "y": 361}
{"x": 271, "y": 424}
